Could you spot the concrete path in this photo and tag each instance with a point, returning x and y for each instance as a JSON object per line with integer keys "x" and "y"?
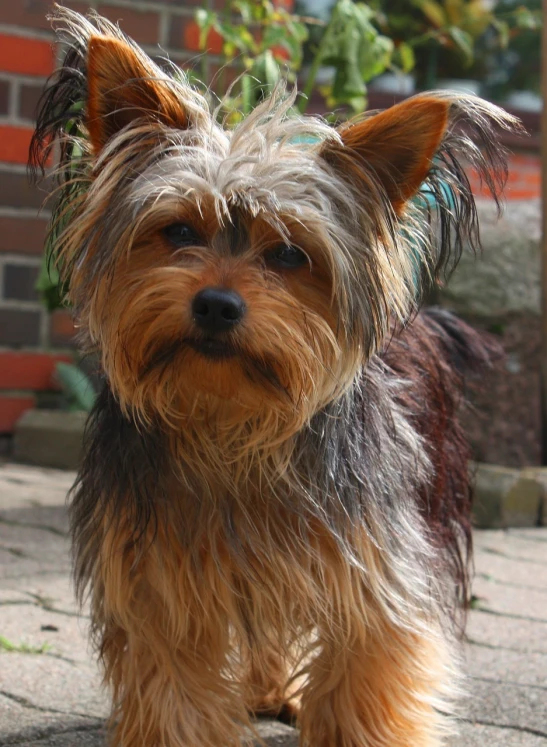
{"x": 49, "y": 688}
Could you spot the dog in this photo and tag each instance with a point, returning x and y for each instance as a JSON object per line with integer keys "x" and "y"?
{"x": 272, "y": 514}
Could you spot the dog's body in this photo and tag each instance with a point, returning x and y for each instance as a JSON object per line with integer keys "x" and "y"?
{"x": 272, "y": 514}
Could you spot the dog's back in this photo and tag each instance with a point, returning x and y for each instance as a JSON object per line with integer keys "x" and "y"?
{"x": 439, "y": 357}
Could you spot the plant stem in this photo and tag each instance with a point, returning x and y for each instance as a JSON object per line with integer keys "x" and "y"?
{"x": 246, "y": 94}
{"x": 316, "y": 64}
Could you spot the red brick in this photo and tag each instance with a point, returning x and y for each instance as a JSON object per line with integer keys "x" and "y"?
{"x": 532, "y": 178}
{"x": 32, "y": 13}
{"x": 20, "y": 328}
{"x": 14, "y": 143}
{"x": 22, "y": 235}
{"x": 523, "y": 194}
{"x": 35, "y": 371}
{"x": 11, "y": 409}
{"x": 280, "y": 53}
{"x": 525, "y": 159}
{"x": 62, "y": 330}
{"x": 142, "y": 26}
{"x": 26, "y": 56}
{"x": 17, "y": 191}
{"x": 184, "y": 34}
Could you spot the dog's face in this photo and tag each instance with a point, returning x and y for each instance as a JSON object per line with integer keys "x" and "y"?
{"x": 244, "y": 274}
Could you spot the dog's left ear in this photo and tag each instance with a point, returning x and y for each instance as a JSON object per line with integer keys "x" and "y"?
{"x": 394, "y": 148}
{"x": 123, "y": 86}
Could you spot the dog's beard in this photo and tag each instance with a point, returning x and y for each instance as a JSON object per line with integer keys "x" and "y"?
{"x": 279, "y": 366}
{"x": 229, "y": 371}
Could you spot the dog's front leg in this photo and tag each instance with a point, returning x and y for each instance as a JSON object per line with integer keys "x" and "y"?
{"x": 377, "y": 688}
{"x": 381, "y": 671}
{"x": 164, "y": 642}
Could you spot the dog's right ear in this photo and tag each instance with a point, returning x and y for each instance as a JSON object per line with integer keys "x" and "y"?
{"x": 124, "y": 86}
{"x": 106, "y": 83}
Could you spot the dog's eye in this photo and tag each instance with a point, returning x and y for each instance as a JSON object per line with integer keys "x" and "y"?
{"x": 180, "y": 234}
{"x": 287, "y": 257}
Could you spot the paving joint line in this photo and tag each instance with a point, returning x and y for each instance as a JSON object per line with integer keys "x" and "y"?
{"x": 36, "y": 736}
{"x": 528, "y": 538}
{"x": 501, "y": 554}
{"x": 497, "y": 647}
{"x": 510, "y": 615}
{"x": 26, "y": 703}
{"x": 512, "y": 683}
{"x": 512, "y": 727}
{"x": 41, "y": 527}
{"x": 512, "y": 584}
{"x": 45, "y": 604}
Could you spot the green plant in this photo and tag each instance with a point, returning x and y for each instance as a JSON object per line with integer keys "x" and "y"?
{"x": 517, "y": 65}
{"x": 258, "y": 37}
{"x": 77, "y": 388}
{"x": 267, "y": 44}
{"x": 448, "y": 36}
{"x": 22, "y": 648}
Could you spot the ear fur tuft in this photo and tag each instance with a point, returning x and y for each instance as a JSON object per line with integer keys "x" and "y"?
{"x": 398, "y": 144}
{"x": 415, "y": 157}
{"x": 122, "y": 87}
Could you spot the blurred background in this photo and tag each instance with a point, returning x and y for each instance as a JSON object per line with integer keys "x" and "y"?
{"x": 347, "y": 57}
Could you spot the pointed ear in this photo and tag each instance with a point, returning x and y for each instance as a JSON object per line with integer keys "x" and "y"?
{"x": 123, "y": 84}
{"x": 395, "y": 147}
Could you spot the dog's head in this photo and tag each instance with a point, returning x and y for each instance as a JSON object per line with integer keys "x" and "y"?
{"x": 245, "y": 274}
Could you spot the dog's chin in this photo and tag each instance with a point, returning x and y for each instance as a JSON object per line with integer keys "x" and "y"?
{"x": 212, "y": 349}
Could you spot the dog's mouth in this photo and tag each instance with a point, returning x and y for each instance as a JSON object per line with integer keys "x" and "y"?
{"x": 212, "y": 348}
{"x": 258, "y": 369}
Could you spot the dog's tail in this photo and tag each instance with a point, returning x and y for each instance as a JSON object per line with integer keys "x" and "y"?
{"x": 441, "y": 358}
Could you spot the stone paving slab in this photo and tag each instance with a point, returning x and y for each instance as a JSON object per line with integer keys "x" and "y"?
{"x": 53, "y": 698}
{"x": 505, "y": 633}
{"x": 528, "y": 603}
{"x": 21, "y": 723}
{"x": 513, "y": 667}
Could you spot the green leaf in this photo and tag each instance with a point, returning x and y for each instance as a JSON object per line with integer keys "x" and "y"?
{"x": 238, "y": 36}
{"x": 266, "y": 73}
{"x": 77, "y": 387}
{"x": 434, "y": 12}
{"x": 527, "y": 19}
{"x": 205, "y": 18}
{"x": 22, "y": 648}
{"x": 48, "y": 285}
{"x": 376, "y": 58}
{"x": 243, "y": 7}
{"x": 406, "y": 58}
{"x": 463, "y": 42}
{"x": 503, "y": 31}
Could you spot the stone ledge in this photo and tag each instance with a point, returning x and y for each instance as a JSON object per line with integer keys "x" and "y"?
{"x": 507, "y": 497}
{"x": 49, "y": 438}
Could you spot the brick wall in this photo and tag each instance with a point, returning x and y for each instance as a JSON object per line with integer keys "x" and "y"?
{"x": 30, "y": 338}
{"x": 27, "y": 57}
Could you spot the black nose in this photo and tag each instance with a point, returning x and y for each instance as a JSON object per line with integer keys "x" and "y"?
{"x": 217, "y": 309}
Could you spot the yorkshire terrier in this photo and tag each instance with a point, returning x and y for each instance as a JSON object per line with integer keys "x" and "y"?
{"x": 272, "y": 514}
